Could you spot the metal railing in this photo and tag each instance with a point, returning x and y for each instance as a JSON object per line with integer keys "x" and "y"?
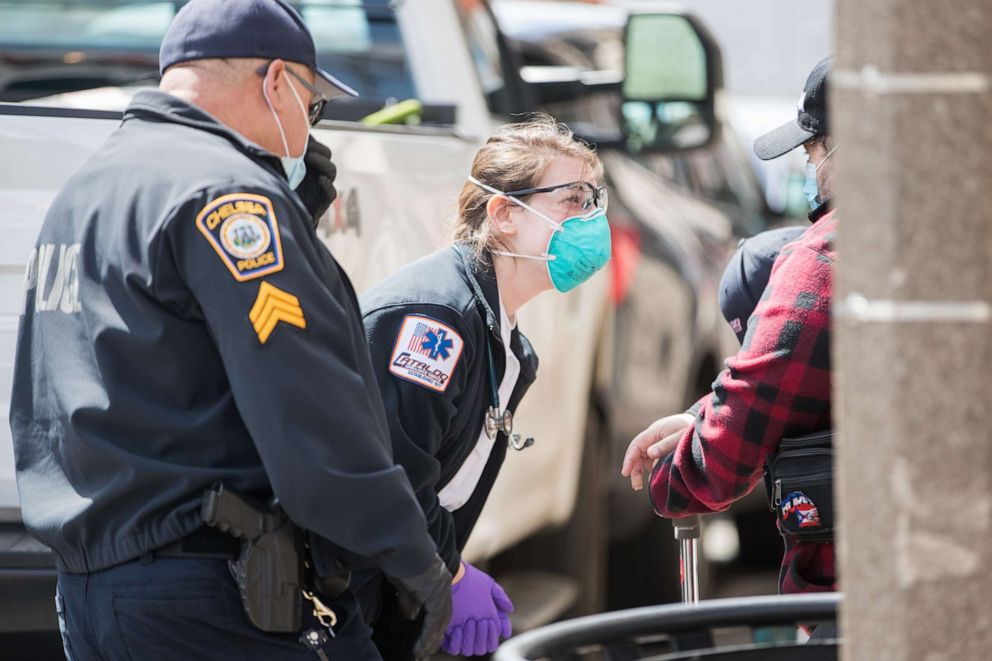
{"x": 744, "y": 629}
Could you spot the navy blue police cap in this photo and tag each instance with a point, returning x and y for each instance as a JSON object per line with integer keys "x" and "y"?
{"x": 811, "y": 117}
{"x": 746, "y": 276}
{"x": 265, "y": 29}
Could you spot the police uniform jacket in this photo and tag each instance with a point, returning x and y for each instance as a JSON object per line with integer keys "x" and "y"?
{"x": 183, "y": 326}
{"x": 428, "y": 325}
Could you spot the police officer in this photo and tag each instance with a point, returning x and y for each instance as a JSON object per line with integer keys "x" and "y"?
{"x": 451, "y": 362}
{"x": 183, "y": 327}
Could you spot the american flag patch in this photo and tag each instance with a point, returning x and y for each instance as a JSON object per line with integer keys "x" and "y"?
{"x": 426, "y": 352}
{"x": 418, "y": 338}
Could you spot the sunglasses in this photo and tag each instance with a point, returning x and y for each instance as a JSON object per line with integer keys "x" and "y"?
{"x": 318, "y": 101}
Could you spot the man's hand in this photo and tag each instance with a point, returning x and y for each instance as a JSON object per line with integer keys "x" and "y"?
{"x": 317, "y": 188}
{"x": 480, "y": 614}
{"x": 655, "y": 442}
{"x": 430, "y": 591}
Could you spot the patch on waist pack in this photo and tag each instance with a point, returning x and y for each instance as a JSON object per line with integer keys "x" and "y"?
{"x": 243, "y": 230}
{"x": 801, "y": 508}
{"x": 426, "y": 352}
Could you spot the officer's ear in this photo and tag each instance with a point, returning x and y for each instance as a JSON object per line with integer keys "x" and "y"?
{"x": 498, "y": 209}
{"x": 275, "y": 79}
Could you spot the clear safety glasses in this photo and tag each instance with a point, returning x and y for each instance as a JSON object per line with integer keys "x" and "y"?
{"x": 580, "y": 193}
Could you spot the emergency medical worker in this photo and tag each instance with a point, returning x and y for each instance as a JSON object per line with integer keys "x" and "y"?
{"x": 778, "y": 384}
{"x": 184, "y": 327}
{"x": 451, "y": 362}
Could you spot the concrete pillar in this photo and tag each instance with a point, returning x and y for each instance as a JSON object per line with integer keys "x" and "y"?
{"x": 912, "y": 114}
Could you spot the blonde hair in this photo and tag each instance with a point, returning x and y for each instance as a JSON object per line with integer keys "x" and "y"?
{"x": 514, "y": 158}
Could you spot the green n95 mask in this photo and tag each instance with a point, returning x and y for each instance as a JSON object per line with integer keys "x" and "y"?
{"x": 578, "y": 248}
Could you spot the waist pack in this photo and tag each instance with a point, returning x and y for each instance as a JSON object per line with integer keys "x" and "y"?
{"x": 800, "y": 482}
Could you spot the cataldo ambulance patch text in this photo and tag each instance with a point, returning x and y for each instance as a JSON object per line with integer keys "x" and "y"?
{"x": 426, "y": 352}
{"x": 243, "y": 230}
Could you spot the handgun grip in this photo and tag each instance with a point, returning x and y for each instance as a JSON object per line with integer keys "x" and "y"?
{"x": 228, "y": 512}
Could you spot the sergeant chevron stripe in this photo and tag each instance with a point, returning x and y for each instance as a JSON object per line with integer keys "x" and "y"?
{"x": 272, "y": 306}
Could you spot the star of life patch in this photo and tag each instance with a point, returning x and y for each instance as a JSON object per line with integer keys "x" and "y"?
{"x": 242, "y": 229}
{"x": 426, "y": 352}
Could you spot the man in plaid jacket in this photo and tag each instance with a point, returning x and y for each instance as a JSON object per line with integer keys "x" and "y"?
{"x": 778, "y": 384}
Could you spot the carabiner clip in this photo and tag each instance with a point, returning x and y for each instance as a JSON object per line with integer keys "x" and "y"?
{"x": 518, "y": 443}
{"x": 322, "y": 612}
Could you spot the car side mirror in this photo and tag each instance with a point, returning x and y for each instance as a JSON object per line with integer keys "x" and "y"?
{"x": 673, "y": 74}
{"x": 555, "y": 84}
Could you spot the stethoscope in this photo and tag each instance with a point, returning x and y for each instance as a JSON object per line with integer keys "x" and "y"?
{"x": 496, "y": 420}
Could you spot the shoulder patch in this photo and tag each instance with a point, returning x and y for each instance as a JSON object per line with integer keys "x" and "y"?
{"x": 426, "y": 352}
{"x": 243, "y": 230}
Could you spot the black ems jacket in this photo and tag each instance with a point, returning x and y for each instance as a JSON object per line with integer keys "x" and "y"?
{"x": 184, "y": 326}
{"x": 435, "y": 403}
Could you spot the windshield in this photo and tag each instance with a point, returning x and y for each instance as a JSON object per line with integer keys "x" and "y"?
{"x": 49, "y": 46}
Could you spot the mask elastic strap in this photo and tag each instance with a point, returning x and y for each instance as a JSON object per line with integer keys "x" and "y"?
{"x": 282, "y": 134}
{"x": 557, "y": 226}
{"x": 829, "y": 154}
{"x": 303, "y": 110}
{"x": 542, "y": 258}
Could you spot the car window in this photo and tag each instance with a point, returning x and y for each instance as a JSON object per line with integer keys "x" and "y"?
{"x": 674, "y": 167}
{"x": 482, "y": 37}
{"x": 740, "y": 173}
{"x": 717, "y": 175}
{"x": 48, "y": 46}
{"x": 587, "y": 47}
{"x": 708, "y": 176}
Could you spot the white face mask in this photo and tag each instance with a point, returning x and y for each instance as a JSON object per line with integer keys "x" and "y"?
{"x": 294, "y": 166}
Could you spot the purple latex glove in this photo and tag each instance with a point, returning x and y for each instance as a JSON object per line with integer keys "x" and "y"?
{"x": 479, "y": 615}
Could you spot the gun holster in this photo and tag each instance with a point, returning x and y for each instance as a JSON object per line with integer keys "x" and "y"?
{"x": 268, "y": 570}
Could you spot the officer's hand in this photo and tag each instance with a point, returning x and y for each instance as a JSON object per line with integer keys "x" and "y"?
{"x": 430, "y": 591}
{"x": 317, "y": 188}
{"x": 655, "y": 442}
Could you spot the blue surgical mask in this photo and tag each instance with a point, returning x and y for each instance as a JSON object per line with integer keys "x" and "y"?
{"x": 294, "y": 166}
{"x": 578, "y": 248}
{"x": 295, "y": 170}
{"x": 810, "y": 186}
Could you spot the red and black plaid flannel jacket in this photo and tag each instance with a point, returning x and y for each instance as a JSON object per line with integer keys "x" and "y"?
{"x": 778, "y": 385}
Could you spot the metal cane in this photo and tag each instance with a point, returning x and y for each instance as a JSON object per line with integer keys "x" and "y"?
{"x": 687, "y": 532}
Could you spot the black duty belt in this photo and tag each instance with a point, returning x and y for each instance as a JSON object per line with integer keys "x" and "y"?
{"x": 202, "y": 543}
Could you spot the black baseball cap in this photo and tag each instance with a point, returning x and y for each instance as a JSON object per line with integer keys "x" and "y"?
{"x": 746, "y": 276}
{"x": 266, "y": 29}
{"x": 810, "y": 121}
